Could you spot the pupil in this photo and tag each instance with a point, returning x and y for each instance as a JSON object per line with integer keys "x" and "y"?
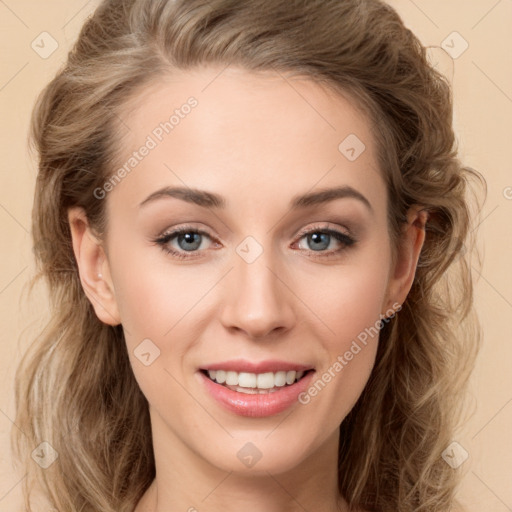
{"x": 316, "y": 237}
{"x": 189, "y": 239}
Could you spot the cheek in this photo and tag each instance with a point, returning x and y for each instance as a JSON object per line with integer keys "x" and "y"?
{"x": 353, "y": 315}
{"x": 350, "y": 304}
{"x": 154, "y": 295}
{"x": 350, "y": 307}
{"x": 157, "y": 305}
{"x": 348, "y": 298}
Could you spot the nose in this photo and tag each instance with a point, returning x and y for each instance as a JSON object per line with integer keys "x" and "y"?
{"x": 258, "y": 301}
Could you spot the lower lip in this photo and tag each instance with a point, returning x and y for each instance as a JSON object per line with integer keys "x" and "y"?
{"x": 257, "y": 406}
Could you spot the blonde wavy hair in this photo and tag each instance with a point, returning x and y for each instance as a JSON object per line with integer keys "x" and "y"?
{"x": 75, "y": 387}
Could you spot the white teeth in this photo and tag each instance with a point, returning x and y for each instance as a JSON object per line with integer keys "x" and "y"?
{"x": 247, "y": 380}
{"x": 255, "y": 381}
{"x": 290, "y": 377}
{"x": 265, "y": 380}
{"x": 232, "y": 378}
{"x": 280, "y": 379}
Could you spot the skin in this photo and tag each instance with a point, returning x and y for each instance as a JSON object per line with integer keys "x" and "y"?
{"x": 258, "y": 140}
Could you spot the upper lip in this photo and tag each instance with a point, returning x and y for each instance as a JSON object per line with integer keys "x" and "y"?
{"x": 241, "y": 365}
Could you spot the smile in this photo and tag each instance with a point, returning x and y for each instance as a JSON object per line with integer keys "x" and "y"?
{"x": 254, "y": 383}
{"x": 262, "y": 390}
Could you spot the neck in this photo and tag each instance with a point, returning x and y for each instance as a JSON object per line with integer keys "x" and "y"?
{"x": 186, "y": 481}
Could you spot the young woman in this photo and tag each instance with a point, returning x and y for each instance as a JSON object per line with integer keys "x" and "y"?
{"x": 252, "y": 221}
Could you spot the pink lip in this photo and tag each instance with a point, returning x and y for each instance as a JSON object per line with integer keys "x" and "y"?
{"x": 241, "y": 365}
{"x": 256, "y": 406}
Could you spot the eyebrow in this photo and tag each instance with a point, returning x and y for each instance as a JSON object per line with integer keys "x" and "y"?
{"x": 212, "y": 200}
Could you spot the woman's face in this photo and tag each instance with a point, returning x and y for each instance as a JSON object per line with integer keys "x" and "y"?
{"x": 284, "y": 264}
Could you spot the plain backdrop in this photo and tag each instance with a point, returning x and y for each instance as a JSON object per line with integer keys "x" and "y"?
{"x": 471, "y": 43}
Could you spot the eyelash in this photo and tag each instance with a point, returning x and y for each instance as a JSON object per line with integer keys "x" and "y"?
{"x": 343, "y": 238}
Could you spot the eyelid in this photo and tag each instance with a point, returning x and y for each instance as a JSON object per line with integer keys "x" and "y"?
{"x": 303, "y": 232}
{"x": 343, "y": 236}
{"x": 183, "y": 228}
{"x": 325, "y": 226}
{"x": 172, "y": 233}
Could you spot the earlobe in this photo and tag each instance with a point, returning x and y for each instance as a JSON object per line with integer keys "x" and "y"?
{"x": 408, "y": 253}
{"x": 93, "y": 267}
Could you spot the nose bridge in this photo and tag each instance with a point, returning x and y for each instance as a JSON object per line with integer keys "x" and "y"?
{"x": 257, "y": 301}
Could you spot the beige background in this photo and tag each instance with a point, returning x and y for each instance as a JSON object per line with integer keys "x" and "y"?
{"x": 482, "y": 80}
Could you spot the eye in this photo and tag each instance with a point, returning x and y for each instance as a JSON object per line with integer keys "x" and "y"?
{"x": 186, "y": 242}
{"x": 319, "y": 239}
{"x": 187, "y": 239}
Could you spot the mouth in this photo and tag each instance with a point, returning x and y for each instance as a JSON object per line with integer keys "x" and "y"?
{"x": 255, "y": 389}
{"x": 256, "y": 383}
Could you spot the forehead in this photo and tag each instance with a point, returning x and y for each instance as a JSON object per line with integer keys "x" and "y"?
{"x": 245, "y": 135}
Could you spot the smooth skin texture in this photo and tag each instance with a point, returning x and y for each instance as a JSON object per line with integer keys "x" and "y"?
{"x": 258, "y": 140}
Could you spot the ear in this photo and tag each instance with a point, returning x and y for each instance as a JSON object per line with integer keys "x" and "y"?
{"x": 407, "y": 255}
{"x": 93, "y": 267}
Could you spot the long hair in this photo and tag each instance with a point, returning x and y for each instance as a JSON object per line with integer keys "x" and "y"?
{"x": 75, "y": 388}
